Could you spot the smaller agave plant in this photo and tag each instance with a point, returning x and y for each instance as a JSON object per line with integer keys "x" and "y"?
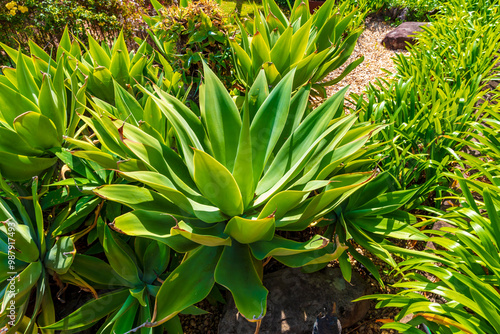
{"x": 234, "y": 180}
{"x": 134, "y": 273}
{"x": 28, "y": 259}
{"x": 312, "y": 44}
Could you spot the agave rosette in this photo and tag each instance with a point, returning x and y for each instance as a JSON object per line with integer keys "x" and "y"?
{"x": 234, "y": 179}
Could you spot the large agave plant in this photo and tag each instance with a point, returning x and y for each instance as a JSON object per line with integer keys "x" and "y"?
{"x": 314, "y": 45}
{"x": 235, "y": 180}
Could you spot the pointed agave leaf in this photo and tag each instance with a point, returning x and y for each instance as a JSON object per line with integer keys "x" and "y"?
{"x": 236, "y": 271}
{"x": 276, "y": 11}
{"x": 321, "y": 256}
{"x": 100, "y": 57}
{"x": 92, "y": 311}
{"x": 283, "y": 202}
{"x": 23, "y": 237}
{"x": 340, "y": 188}
{"x": 138, "y": 198}
{"x": 280, "y": 53}
{"x": 268, "y": 124}
{"x": 22, "y": 284}
{"x": 47, "y": 311}
{"x": 37, "y": 51}
{"x": 101, "y": 84}
{"x": 392, "y": 227}
{"x": 308, "y": 66}
{"x": 217, "y": 184}
{"x": 96, "y": 270}
{"x": 242, "y": 172}
{"x": 155, "y": 260}
{"x": 119, "y": 67}
{"x": 64, "y": 45}
{"x": 301, "y": 12}
{"x": 385, "y": 203}
{"x": 52, "y": 105}
{"x": 260, "y": 51}
{"x": 298, "y": 106}
{"x": 301, "y": 143}
{"x": 187, "y": 125}
{"x": 257, "y": 94}
{"x": 323, "y": 13}
{"x": 163, "y": 185}
{"x": 188, "y": 284}
{"x": 60, "y": 257}
{"x": 12, "y": 142}
{"x": 247, "y": 231}
{"x": 221, "y": 118}
{"x": 119, "y": 258}
{"x": 320, "y": 75}
{"x": 127, "y": 105}
{"x": 13, "y": 54}
{"x": 272, "y": 74}
{"x": 25, "y": 81}
{"x": 242, "y": 59}
{"x": 104, "y": 160}
{"x": 299, "y": 42}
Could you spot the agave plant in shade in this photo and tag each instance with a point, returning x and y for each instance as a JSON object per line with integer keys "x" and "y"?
{"x": 314, "y": 44}
{"x": 235, "y": 179}
{"x": 28, "y": 258}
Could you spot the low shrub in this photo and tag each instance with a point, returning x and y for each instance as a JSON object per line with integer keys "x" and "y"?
{"x": 188, "y": 35}
{"x": 44, "y": 21}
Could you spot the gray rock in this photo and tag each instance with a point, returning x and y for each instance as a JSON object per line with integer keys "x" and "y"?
{"x": 403, "y": 34}
{"x": 297, "y": 300}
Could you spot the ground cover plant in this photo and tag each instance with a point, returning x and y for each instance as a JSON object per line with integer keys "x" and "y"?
{"x": 452, "y": 288}
{"x": 430, "y": 107}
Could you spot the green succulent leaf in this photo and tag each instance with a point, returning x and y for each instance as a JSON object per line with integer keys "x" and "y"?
{"x": 237, "y": 272}
{"x": 217, "y": 184}
{"x": 247, "y": 231}
{"x": 208, "y": 236}
{"x": 61, "y": 255}
{"x": 37, "y": 130}
{"x": 221, "y": 117}
{"x": 188, "y": 284}
{"x": 153, "y": 225}
{"x": 280, "y": 246}
{"x": 119, "y": 259}
{"x": 92, "y": 311}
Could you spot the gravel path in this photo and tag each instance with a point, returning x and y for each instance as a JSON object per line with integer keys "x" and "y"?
{"x": 376, "y": 58}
